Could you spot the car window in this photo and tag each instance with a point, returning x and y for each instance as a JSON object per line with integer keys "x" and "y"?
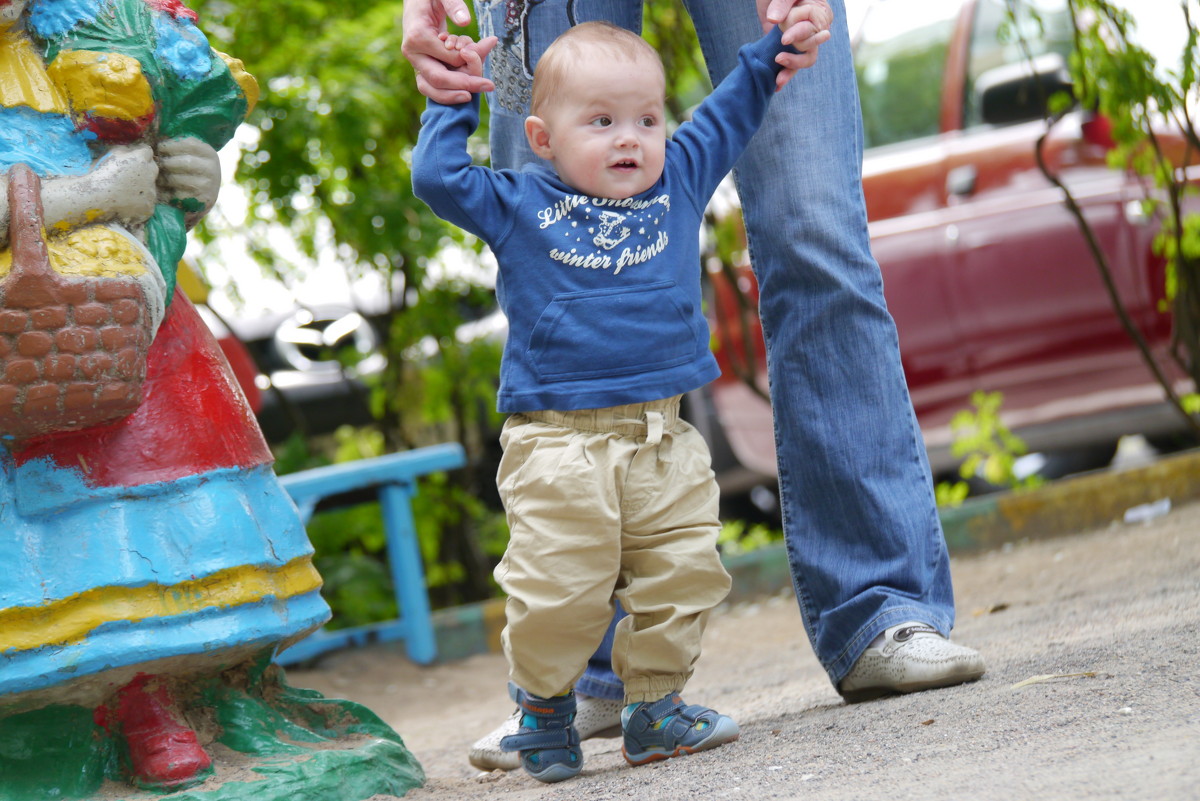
{"x": 998, "y": 39}
{"x": 900, "y": 59}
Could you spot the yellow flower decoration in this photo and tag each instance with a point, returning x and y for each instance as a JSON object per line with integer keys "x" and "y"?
{"x": 245, "y": 80}
{"x": 107, "y": 85}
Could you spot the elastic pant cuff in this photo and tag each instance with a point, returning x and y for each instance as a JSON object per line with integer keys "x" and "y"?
{"x": 645, "y": 689}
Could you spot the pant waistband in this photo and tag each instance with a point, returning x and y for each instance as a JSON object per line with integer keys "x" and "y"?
{"x": 630, "y": 420}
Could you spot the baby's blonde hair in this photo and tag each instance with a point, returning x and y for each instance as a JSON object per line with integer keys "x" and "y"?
{"x": 555, "y": 64}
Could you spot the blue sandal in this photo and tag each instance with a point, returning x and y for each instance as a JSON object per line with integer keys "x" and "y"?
{"x": 669, "y": 728}
{"x": 546, "y": 739}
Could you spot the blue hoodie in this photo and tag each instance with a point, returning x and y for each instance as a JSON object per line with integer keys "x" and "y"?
{"x": 602, "y": 296}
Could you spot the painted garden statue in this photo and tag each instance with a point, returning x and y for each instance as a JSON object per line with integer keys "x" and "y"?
{"x": 152, "y": 564}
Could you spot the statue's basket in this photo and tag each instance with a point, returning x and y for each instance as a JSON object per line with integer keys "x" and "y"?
{"x": 72, "y": 348}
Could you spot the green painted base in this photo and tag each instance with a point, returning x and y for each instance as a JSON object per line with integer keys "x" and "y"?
{"x": 267, "y": 741}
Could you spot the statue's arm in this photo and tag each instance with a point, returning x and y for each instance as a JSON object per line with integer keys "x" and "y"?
{"x": 120, "y": 187}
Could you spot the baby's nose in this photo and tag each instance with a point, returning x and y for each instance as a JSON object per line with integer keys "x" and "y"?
{"x": 627, "y": 138}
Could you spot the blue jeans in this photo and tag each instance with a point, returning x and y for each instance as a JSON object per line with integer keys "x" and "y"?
{"x": 863, "y": 536}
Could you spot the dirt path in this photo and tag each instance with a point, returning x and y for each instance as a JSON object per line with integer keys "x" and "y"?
{"x": 1122, "y": 605}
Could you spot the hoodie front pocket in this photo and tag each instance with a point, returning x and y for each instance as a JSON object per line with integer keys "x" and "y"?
{"x": 613, "y": 332}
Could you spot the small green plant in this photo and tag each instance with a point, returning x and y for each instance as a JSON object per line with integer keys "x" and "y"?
{"x": 988, "y": 448}
{"x": 951, "y": 493}
{"x": 738, "y": 537}
{"x": 1149, "y": 105}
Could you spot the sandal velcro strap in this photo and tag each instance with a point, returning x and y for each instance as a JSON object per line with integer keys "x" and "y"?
{"x": 647, "y": 722}
{"x": 669, "y": 705}
{"x": 682, "y": 716}
{"x": 536, "y": 739}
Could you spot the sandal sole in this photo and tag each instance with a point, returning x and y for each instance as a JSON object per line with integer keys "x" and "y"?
{"x": 657, "y": 756}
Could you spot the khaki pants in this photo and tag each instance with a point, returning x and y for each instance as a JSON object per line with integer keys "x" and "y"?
{"x": 601, "y": 502}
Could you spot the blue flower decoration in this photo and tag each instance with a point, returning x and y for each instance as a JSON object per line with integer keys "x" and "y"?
{"x": 51, "y": 18}
{"x": 182, "y": 47}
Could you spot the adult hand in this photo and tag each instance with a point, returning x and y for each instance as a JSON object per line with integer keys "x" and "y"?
{"x": 440, "y": 73}
{"x": 805, "y": 24}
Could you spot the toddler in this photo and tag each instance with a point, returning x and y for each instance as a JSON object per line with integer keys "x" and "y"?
{"x": 607, "y": 491}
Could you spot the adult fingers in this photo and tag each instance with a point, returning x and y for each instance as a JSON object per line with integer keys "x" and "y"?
{"x": 448, "y": 86}
{"x": 773, "y": 12}
{"x": 457, "y": 10}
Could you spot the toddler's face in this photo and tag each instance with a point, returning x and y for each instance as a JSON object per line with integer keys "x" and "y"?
{"x": 605, "y": 133}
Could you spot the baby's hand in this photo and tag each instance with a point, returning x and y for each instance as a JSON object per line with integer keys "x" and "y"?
{"x": 456, "y": 41}
{"x": 806, "y": 26}
{"x": 473, "y": 53}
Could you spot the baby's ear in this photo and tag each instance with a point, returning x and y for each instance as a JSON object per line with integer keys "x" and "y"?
{"x": 538, "y": 136}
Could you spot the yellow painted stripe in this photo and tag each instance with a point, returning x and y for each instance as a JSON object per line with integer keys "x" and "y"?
{"x": 72, "y": 619}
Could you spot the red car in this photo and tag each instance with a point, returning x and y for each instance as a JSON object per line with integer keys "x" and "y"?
{"x": 985, "y": 271}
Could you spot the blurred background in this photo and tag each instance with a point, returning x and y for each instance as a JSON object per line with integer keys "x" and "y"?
{"x": 362, "y": 325}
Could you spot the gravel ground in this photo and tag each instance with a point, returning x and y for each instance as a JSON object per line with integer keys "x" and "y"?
{"x": 1113, "y": 614}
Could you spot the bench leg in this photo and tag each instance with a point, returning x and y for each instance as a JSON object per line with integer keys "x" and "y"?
{"x": 408, "y": 572}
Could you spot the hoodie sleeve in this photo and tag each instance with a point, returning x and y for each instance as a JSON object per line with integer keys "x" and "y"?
{"x": 477, "y": 199}
{"x": 707, "y": 146}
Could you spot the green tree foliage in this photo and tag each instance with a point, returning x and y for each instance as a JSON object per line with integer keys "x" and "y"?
{"x": 1151, "y": 107}
{"x": 328, "y": 159}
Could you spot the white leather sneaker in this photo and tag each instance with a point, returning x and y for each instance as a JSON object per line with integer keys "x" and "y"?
{"x": 594, "y": 717}
{"x": 906, "y": 658}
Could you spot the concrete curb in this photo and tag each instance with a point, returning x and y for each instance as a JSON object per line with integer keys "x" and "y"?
{"x": 1065, "y": 507}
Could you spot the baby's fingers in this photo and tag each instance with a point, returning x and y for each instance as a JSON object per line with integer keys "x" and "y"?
{"x": 472, "y": 63}
{"x": 455, "y": 41}
{"x": 484, "y": 46}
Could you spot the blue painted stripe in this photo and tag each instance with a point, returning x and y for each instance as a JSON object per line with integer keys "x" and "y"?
{"x": 129, "y": 537}
{"x": 125, "y": 644}
{"x": 47, "y": 142}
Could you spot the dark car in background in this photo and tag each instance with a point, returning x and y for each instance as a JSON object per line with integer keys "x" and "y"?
{"x": 986, "y": 272}
{"x": 303, "y": 369}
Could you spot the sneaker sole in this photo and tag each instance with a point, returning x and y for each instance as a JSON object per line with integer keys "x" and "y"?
{"x": 490, "y": 760}
{"x": 611, "y": 731}
{"x": 502, "y": 760}
{"x": 872, "y": 693}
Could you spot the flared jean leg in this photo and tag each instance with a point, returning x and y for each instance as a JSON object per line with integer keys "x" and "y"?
{"x": 863, "y": 536}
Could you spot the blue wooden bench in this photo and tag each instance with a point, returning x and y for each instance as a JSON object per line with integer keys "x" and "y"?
{"x": 393, "y": 478}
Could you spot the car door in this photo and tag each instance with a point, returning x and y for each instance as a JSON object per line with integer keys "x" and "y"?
{"x": 902, "y": 60}
{"x": 1034, "y": 311}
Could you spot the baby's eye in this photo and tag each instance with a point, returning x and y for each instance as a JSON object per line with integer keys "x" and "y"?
{"x": 647, "y": 122}
{"x": 602, "y": 121}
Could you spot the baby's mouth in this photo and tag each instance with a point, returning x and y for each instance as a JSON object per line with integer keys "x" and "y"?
{"x": 625, "y": 165}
